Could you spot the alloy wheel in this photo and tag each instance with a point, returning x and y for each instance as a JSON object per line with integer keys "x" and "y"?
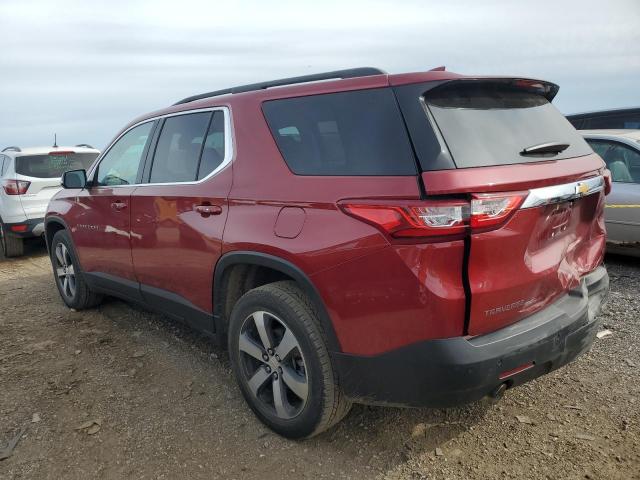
{"x": 65, "y": 270}
{"x": 272, "y": 365}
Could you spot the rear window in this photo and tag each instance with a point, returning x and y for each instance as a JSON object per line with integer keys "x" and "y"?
{"x": 490, "y": 123}
{"x": 348, "y": 133}
{"x": 52, "y": 166}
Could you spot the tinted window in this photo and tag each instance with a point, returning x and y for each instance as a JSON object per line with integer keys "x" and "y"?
{"x": 121, "y": 163}
{"x": 598, "y": 120}
{"x": 490, "y": 123}
{"x": 621, "y": 160}
{"x": 347, "y": 133}
{"x": 3, "y": 162}
{"x": 214, "y": 147}
{"x": 53, "y": 166}
{"x": 178, "y": 150}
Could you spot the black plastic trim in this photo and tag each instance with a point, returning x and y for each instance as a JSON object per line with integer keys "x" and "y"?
{"x": 276, "y": 263}
{"x": 149, "y": 151}
{"x": 113, "y": 285}
{"x": 421, "y": 187}
{"x": 337, "y": 74}
{"x": 178, "y": 307}
{"x": 50, "y": 220}
{"x": 152, "y": 298}
{"x": 31, "y": 223}
{"x": 423, "y": 138}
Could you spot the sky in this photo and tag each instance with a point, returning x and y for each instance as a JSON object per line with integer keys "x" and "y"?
{"x": 84, "y": 69}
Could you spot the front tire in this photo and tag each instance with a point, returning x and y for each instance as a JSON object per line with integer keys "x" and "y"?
{"x": 11, "y": 246}
{"x": 73, "y": 288}
{"x": 281, "y": 362}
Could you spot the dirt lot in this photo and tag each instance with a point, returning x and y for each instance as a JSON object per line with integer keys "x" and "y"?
{"x": 121, "y": 393}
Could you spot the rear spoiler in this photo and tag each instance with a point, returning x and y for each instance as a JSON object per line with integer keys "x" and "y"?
{"x": 540, "y": 87}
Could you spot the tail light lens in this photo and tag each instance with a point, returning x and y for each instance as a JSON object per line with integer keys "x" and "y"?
{"x": 491, "y": 210}
{"x": 436, "y": 218}
{"x": 15, "y": 187}
{"x": 430, "y": 219}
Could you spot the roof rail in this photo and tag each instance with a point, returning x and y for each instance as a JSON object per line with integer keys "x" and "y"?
{"x": 338, "y": 74}
{"x": 86, "y": 145}
{"x": 15, "y": 149}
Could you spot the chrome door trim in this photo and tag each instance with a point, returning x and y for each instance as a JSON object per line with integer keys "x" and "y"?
{"x": 228, "y": 147}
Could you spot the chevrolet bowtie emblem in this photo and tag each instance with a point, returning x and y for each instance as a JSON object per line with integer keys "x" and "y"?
{"x": 582, "y": 188}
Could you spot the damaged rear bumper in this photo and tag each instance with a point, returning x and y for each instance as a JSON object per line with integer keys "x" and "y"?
{"x": 454, "y": 371}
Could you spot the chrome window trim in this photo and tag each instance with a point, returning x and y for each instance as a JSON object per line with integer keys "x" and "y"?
{"x": 228, "y": 147}
{"x": 563, "y": 193}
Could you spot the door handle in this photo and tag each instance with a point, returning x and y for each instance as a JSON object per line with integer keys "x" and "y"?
{"x": 118, "y": 205}
{"x": 207, "y": 210}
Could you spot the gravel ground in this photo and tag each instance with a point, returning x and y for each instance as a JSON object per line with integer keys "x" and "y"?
{"x": 118, "y": 392}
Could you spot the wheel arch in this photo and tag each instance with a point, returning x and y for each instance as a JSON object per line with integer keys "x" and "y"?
{"x": 51, "y": 226}
{"x": 229, "y": 260}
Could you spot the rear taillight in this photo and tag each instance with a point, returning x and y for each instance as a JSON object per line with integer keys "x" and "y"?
{"x": 15, "y": 187}
{"x": 436, "y": 218}
{"x": 428, "y": 219}
{"x": 491, "y": 210}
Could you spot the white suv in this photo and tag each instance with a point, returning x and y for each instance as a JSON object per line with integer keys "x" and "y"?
{"x": 29, "y": 177}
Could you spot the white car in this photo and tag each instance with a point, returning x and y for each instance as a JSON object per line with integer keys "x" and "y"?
{"x": 29, "y": 177}
{"x": 620, "y": 149}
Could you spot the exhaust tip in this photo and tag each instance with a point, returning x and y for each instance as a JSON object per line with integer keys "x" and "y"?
{"x": 496, "y": 394}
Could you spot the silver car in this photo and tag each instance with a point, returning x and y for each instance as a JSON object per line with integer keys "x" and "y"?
{"x": 620, "y": 149}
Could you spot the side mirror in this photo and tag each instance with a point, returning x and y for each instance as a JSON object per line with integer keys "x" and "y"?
{"x": 74, "y": 179}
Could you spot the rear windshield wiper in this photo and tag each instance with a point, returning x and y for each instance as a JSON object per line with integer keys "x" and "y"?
{"x": 553, "y": 147}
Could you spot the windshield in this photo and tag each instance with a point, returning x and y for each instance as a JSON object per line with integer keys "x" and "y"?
{"x": 53, "y": 166}
{"x": 491, "y": 123}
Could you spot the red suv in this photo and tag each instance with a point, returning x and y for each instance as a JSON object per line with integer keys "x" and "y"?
{"x": 421, "y": 239}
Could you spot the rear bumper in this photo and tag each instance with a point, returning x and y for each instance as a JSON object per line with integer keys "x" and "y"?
{"x": 454, "y": 371}
{"x": 33, "y": 227}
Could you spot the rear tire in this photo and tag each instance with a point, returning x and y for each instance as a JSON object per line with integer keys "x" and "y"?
{"x": 292, "y": 388}
{"x": 73, "y": 288}
{"x": 11, "y": 246}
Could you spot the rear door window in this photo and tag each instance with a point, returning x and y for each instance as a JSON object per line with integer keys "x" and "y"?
{"x": 179, "y": 147}
{"x": 491, "y": 123}
{"x": 347, "y": 133}
{"x": 54, "y": 164}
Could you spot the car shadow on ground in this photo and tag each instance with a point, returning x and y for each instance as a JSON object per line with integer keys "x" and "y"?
{"x": 388, "y": 435}
{"x": 616, "y": 259}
